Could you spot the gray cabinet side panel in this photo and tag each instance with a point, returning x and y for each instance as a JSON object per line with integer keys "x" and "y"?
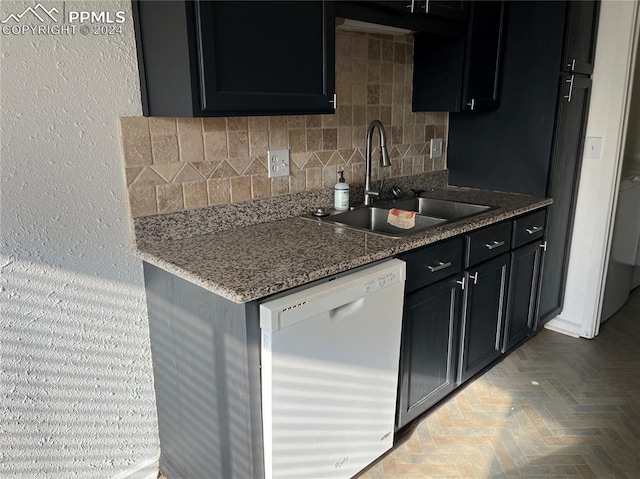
{"x": 201, "y": 374}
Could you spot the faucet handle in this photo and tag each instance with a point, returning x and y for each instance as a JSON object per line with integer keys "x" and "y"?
{"x": 396, "y": 192}
{"x": 417, "y": 192}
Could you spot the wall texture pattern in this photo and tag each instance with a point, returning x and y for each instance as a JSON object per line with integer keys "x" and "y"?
{"x": 173, "y": 164}
{"x": 76, "y": 391}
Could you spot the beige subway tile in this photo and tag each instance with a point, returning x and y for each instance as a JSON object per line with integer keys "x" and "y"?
{"x": 359, "y": 93}
{"x": 418, "y": 165}
{"x": 335, "y": 159}
{"x": 407, "y": 166}
{"x": 238, "y": 144}
{"x": 344, "y": 44}
{"x": 162, "y": 126}
{"x": 237, "y": 123}
{"x": 329, "y": 138}
{"x": 313, "y": 161}
{"x": 170, "y": 198}
{"x": 191, "y": 147}
{"x": 278, "y": 123}
{"x": 205, "y": 168}
{"x": 439, "y": 164}
{"x": 398, "y": 53}
{"x": 373, "y": 49}
{"x": 188, "y": 174}
{"x": 374, "y": 72}
{"x": 295, "y": 122}
{"x": 298, "y": 181}
{"x": 359, "y": 70}
{"x": 344, "y": 137}
{"x": 360, "y": 47}
{"x": 190, "y": 126}
{"x": 314, "y": 139}
{"x": 386, "y": 73}
{"x": 357, "y": 156}
{"x": 260, "y": 186}
{"x": 420, "y": 132}
{"x": 386, "y": 51}
{"x": 164, "y": 148}
{"x": 359, "y": 137}
{"x": 330, "y": 120}
{"x": 258, "y": 123}
{"x": 131, "y": 173}
{"x": 357, "y": 173}
{"x": 324, "y": 156}
{"x": 255, "y": 168}
{"x": 240, "y": 188}
{"x": 211, "y": 125}
{"x": 329, "y": 176}
{"x": 386, "y": 94}
{"x": 396, "y": 168}
{"x": 344, "y": 70}
{"x": 142, "y": 201}
{"x": 240, "y": 165}
{"x": 373, "y": 113}
{"x": 313, "y": 121}
{"x": 385, "y": 116}
{"x": 359, "y": 115}
{"x": 343, "y": 94}
{"x": 148, "y": 177}
{"x": 314, "y": 178}
{"x": 278, "y": 139}
{"x": 299, "y": 158}
{"x": 297, "y": 140}
{"x": 195, "y": 194}
{"x": 219, "y": 191}
{"x": 345, "y": 115}
{"x": 224, "y": 170}
{"x": 280, "y": 186}
{"x": 398, "y": 74}
{"x": 215, "y": 145}
{"x": 258, "y": 142}
{"x": 397, "y": 135}
{"x": 167, "y": 171}
{"x": 136, "y": 141}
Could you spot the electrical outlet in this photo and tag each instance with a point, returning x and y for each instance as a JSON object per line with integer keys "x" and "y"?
{"x": 278, "y": 163}
{"x": 436, "y": 148}
{"x": 592, "y": 147}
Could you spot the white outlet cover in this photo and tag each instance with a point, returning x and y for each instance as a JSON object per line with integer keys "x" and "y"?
{"x": 436, "y": 148}
{"x": 278, "y": 163}
{"x": 592, "y": 147}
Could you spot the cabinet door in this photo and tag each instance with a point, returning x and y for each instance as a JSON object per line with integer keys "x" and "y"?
{"x": 571, "y": 116}
{"x": 484, "y": 311}
{"x": 451, "y": 9}
{"x": 580, "y": 38}
{"x": 523, "y": 288}
{"x": 266, "y": 57}
{"x": 429, "y": 345}
{"x": 484, "y": 55}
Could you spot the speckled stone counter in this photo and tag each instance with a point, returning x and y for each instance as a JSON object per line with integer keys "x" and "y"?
{"x": 257, "y": 260}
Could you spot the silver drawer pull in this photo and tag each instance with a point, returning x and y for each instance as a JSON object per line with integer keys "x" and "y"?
{"x": 533, "y": 229}
{"x": 494, "y": 244}
{"x": 440, "y": 266}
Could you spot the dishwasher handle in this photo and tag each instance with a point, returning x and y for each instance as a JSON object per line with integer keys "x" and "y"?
{"x": 341, "y": 312}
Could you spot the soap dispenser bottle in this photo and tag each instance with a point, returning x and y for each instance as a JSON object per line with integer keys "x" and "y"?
{"x": 341, "y": 193}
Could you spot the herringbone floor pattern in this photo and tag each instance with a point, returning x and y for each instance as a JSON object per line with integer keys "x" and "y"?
{"x": 557, "y": 407}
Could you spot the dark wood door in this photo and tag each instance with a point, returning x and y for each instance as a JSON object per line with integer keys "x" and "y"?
{"x": 451, "y": 9}
{"x": 580, "y": 37}
{"x": 429, "y": 346}
{"x": 484, "y": 55}
{"x": 571, "y": 117}
{"x": 523, "y": 287}
{"x": 484, "y": 312}
{"x": 266, "y": 57}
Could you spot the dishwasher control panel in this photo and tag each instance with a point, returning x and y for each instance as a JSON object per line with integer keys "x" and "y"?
{"x": 381, "y": 282}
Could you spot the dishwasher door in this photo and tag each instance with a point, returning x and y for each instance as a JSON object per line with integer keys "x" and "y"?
{"x": 330, "y": 357}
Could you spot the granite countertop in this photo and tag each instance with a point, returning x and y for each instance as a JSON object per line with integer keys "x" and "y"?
{"x": 250, "y": 262}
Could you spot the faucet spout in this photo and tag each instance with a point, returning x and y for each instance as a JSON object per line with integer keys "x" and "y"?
{"x": 385, "y": 161}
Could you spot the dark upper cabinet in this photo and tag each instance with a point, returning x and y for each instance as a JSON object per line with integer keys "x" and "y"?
{"x": 429, "y": 347}
{"x": 571, "y": 117}
{"x": 483, "y": 316}
{"x": 217, "y": 58}
{"x": 523, "y": 286}
{"x": 461, "y": 74}
{"x": 580, "y": 36}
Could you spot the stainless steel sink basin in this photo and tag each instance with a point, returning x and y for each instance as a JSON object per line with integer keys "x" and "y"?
{"x": 375, "y": 220}
{"x": 447, "y": 210}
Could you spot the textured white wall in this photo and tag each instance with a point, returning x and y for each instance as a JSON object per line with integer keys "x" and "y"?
{"x": 76, "y": 392}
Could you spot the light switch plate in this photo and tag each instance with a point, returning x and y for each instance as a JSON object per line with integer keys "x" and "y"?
{"x": 436, "y": 148}
{"x": 278, "y": 163}
{"x": 592, "y": 147}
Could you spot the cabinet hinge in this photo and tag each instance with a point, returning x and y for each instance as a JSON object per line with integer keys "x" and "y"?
{"x": 334, "y": 101}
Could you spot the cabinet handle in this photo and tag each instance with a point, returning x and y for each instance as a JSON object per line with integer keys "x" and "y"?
{"x": 533, "y": 229}
{"x": 494, "y": 244}
{"x": 462, "y": 282}
{"x": 570, "y": 82}
{"x": 472, "y": 104}
{"x": 439, "y": 267}
{"x": 426, "y": 6}
{"x": 412, "y": 6}
{"x": 544, "y": 246}
{"x": 572, "y": 65}
{"x": 334, "y": 101}
{"x": 474, "y": 277}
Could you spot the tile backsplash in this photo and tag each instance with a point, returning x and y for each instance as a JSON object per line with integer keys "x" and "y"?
{"x": 175, "y": 164}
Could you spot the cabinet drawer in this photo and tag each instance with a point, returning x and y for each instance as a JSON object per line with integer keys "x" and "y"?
{"x": 488, "y": 243}
{"x": 528, "y": 228}
{"x": 433, "y": 263}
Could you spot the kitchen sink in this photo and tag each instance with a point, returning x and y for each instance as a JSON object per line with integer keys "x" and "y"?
{"x": 429, "y": 213}
{"x": 447, "y": 210}
{"x": 375, "y": 219}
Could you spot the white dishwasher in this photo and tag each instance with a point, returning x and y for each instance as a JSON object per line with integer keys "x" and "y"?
{"x": 329, "y": 361}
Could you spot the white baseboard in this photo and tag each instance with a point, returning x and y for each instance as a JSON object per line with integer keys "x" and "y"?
{"x": 143, "y": 470}
{"x": 563, "y": 326}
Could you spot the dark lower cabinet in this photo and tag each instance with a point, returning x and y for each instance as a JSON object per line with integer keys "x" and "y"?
{"x": 483, "y": 316}
{"x": 429, "y": 345}
{"x": 523, "y": 286}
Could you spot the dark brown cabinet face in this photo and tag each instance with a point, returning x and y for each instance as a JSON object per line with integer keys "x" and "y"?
{"x": 580, "y": 43}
